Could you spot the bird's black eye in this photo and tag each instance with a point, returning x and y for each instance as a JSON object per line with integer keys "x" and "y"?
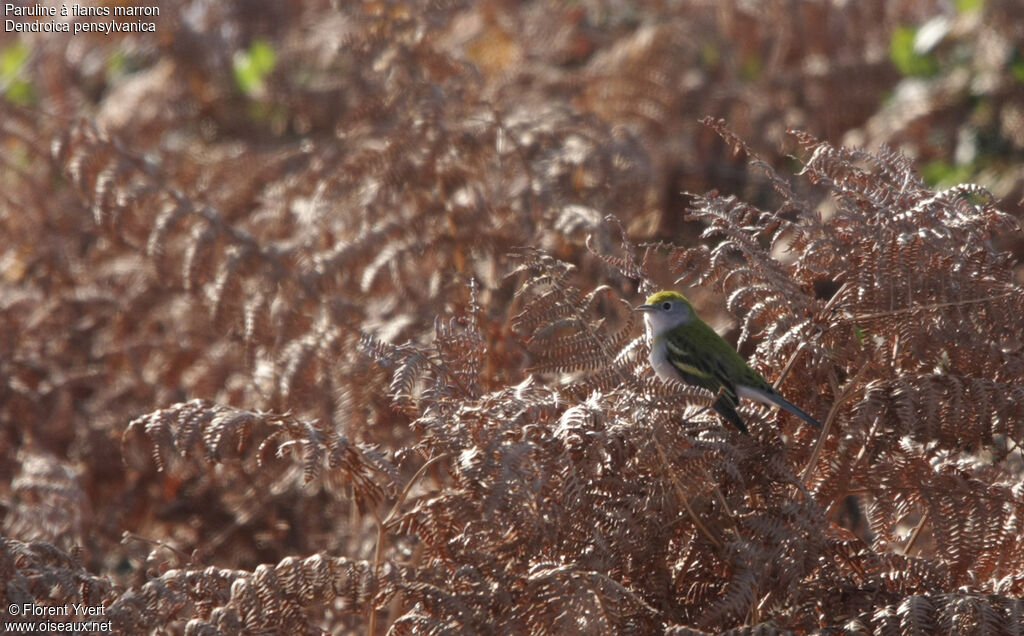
{"x": 666, "y": 306}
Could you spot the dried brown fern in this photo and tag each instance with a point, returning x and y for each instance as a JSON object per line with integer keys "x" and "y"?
{"x": 354, "y": 352}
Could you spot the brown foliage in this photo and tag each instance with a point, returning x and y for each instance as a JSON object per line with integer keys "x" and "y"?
{"x": 354, "y": 351}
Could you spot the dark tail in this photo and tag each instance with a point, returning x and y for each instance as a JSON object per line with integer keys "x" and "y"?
{"x": 795, "y": 410}
{"x": 725, "y": 408}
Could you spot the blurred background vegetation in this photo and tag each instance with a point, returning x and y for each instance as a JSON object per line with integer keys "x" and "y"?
{"x": 356, "y": 163}
{"x": 939, "y": 80}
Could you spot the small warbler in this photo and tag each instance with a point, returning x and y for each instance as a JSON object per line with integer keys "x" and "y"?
{"x": 684, "y": 348}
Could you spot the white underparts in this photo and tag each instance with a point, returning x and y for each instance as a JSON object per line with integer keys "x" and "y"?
{"x": 756, "y": 395}
{"x": 659, "y": 361}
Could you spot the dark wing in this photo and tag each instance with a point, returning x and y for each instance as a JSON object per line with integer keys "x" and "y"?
{"x": 705, "y": 372}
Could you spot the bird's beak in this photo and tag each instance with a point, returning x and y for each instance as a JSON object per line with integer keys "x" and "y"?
{"x": 644, "y": 308}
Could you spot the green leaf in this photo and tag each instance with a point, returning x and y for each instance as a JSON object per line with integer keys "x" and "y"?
{"x": 252, "y": 66}
{"x": 963, "y": 6}
{"x": 1017, "y": 70}
{"x": 12, "y": 59}
{"x": 906, "y": 59}
{"x": 858, "y": 333}
{"x": 116, "y": 64}
{"x": 943, "y": 174}
{"x": 16, "y": 89}
{"x": 751, "y": 67}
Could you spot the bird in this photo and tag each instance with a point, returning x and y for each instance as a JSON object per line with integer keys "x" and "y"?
{"x": 685, "y": 349}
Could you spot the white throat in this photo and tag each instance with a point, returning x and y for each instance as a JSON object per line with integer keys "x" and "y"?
{"x": 659, "y": 351}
